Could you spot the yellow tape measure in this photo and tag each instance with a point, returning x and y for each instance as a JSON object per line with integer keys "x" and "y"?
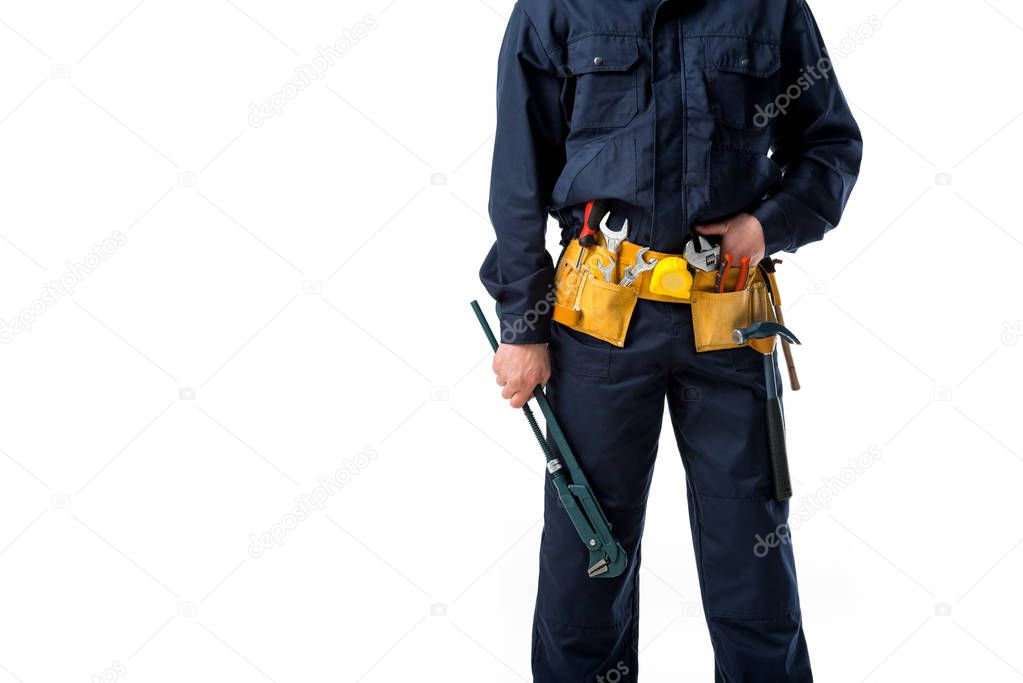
{"x": 671, "y": 277}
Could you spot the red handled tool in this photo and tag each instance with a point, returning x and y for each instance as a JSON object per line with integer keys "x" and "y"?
{"x": 596, "y": 209}
{"x": 727, "y": 263}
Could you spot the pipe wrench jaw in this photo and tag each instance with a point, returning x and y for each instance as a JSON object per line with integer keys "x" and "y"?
{"x": 605, "y": 565}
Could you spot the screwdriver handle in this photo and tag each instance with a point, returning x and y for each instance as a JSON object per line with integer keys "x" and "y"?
{"x": 596, "y": 209}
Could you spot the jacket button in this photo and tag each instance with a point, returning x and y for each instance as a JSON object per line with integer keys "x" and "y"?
{"x": 744, "y": 62}
{"x": 598, "y": 61}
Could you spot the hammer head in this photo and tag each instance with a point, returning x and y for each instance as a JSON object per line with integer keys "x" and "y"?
{"x": 762, "y": 330}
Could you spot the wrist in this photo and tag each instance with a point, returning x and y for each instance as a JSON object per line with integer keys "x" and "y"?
{"x": 774, "y": 225}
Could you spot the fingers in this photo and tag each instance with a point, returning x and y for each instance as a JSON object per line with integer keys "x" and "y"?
{"x": 518, "y": 369}
{"x": 520, "y": 381}
{"x": 520, "y": 399}
{"x": 516, "y": 394}
{"x": 711, "y": 229}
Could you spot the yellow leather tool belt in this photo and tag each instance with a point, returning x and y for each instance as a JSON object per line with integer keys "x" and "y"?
{"x": 589, "y": 298}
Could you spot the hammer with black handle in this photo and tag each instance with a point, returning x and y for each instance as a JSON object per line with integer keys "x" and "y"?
{"x": 775, "y": 421}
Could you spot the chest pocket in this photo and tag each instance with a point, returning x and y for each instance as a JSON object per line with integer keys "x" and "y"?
{"x": 606, "y": 80}
{"x": 742, "y": 81}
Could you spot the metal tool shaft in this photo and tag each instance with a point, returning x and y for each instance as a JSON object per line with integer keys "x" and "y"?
{"x": 607, "y": 558}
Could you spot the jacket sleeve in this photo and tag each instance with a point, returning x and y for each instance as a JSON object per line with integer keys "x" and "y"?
{"x": 816, "y": 141}
{"x": 528, "y": 156}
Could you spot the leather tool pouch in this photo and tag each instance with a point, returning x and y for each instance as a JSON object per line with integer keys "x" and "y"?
{"x": 587, "y": 303}
{"x": 716, "y": 315}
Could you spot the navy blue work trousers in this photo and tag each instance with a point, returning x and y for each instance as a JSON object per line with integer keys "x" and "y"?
{"x": 611, "y": 404}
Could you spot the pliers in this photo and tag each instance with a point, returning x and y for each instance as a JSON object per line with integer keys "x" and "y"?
{"x": 727, "y": 263}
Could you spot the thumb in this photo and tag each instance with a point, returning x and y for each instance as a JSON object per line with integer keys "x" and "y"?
{"x": 711, "y": 229}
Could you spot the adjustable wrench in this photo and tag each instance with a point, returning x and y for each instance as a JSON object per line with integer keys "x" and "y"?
{"x": 700, "y": 253}
{"x": 636, "y": 269}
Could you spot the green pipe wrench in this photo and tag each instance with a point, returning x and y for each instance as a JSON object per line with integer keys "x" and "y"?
{"x": 607, "y": 558}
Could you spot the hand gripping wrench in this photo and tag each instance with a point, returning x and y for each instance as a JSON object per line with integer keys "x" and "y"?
{"x": 636, "y": 269}
{"x": 607, "y": 558}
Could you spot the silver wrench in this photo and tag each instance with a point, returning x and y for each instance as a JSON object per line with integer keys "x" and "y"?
{"x": 613, "y": 238}
{"x": 607, "y": 271}
{"x": 640, "y": 266}
{"x": 700, "y": 253}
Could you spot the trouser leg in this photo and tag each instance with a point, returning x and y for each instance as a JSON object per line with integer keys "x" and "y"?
{"x": 610, "y": 404}
{"x": 716, "y": 402}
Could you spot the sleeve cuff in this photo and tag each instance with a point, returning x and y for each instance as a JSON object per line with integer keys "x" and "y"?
{"x": 777, "y": 236}
{"x": 530, "y": 328}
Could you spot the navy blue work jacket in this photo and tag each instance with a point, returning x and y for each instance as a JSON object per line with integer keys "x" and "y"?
{"x": 679, "y": 112}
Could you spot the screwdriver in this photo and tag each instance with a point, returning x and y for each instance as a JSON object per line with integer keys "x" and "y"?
{"x": 596, "y": 209}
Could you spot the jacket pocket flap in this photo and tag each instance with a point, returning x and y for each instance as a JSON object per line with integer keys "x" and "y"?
{"x": 743, "y": 56}
{"x": 595, "y": 53}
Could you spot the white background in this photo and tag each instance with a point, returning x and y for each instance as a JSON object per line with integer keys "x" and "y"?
{"x": 308, "y": 279}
